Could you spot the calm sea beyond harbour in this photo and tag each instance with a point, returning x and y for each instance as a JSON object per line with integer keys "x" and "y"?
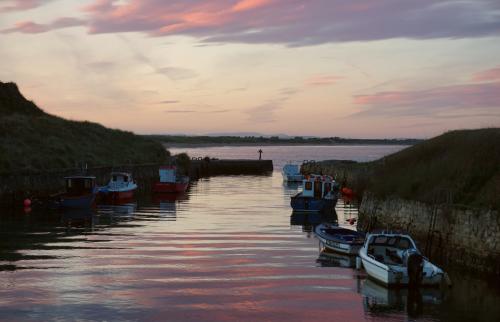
{"x": 228, "y": 250}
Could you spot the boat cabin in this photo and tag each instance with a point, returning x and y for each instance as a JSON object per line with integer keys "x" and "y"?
{"x": 120, "y": 179}
{"x": 316, "y": 186}
{"x": 389, "y": 248}
{"x": 168, "y": 173}
{"x": 79, "y": 185}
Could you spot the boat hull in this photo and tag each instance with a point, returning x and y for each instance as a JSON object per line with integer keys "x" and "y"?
{"x": 308, "y": 204}
{"x": 398, "y": 275}
{"x": 77, "y": 202}
{"x": 111, "y": 196}
{"x": 170, "y": 187}
{"x": 340, "y": 240}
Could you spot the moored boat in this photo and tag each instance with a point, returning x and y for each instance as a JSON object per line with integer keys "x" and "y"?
{"x": 80, "y": 192}
{"x": 338, "y": 239}
{"x": 291, "y": 173}
{"x": 170, "y": 181}
{"x": 394, "y": 259}
{"x": 121, "y": 186}
{"x": 319, "y": 194}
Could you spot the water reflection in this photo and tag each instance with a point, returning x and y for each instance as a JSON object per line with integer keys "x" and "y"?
{"x": 331, "y": 259}
{"x": 310, "y": 220}
{"x": 380, "y": 300}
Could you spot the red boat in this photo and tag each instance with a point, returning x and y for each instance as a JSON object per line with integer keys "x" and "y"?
{"x": 170, "y": 181}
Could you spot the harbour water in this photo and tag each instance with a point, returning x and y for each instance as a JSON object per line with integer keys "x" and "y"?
{"x": 228, "y": 250}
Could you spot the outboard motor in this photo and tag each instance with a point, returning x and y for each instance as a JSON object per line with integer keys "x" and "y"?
{"x": 415, "y": 265}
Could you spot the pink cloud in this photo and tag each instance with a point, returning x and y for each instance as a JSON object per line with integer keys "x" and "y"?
{"x": 20, "y": 5}
{"x": 322, "y": 80}
{"x": 296, "y": 22}
{"x": 487, "y": 75}
{"x": 447, "y": 101}
{"x": 29, "y": 27}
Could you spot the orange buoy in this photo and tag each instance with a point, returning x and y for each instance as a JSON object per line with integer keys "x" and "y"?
{"x": 347, "y": 191}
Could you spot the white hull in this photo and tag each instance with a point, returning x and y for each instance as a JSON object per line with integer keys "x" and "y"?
{"x": 396, "y": 274}
{"x": 339, "y": 247}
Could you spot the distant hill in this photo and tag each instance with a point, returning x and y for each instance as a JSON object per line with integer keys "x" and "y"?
{"x": 273, "y": 140}
{"x": 32, "y": 140}
{"x": 462, "y": 167}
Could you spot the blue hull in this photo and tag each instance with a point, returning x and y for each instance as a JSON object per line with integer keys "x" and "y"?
{"x": 85, "y": 201}
{"x": 308, "y": 204}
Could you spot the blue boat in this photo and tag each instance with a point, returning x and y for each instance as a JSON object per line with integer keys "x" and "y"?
{"x": 319, "y": 194}
{"x": 80, "y": 192}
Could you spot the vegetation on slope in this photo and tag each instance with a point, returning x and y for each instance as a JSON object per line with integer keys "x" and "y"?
{"x": 459, "y": 167}
{"x": 31, "y": 140}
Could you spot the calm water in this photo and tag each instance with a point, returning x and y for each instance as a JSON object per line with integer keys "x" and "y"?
{"x": 227, "y": 250}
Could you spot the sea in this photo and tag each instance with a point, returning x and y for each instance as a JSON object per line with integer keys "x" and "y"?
{"x": 229, "y": 249}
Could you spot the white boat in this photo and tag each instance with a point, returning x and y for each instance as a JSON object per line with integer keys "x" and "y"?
{"x": 393, "y": 259}
{"x": 120, "y": 186}
{"x": 338, "y": 239}
{"x": 291, "y": 173}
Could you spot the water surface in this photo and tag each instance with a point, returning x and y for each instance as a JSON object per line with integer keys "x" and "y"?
{"x": 230, "y": 249}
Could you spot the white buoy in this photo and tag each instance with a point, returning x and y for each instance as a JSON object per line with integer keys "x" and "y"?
{"x": 358, "y": 262}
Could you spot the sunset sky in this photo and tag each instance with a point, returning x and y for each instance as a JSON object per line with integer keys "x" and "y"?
{"x": 369, "y": 68}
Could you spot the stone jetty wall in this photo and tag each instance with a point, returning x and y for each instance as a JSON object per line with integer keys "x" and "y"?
{"x": 451, "y": 235}
{"x": 15, "y": 187}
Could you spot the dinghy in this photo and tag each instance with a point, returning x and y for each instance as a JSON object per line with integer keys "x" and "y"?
{"x": 337, "y": 239}
{"x": 394, "y": 259}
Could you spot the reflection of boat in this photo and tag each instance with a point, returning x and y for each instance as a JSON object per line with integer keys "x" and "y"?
{"x": 80, "y": 192}
{"x": 312, "y": 219}
{"x": 120, "y": 186}
{"x": 378, "y": 298}
{"x": 170, "y": 181}
{"x": 339, "y": 239}
{"x": 319, "y": 194}
{"x": 291, "y": 173}
{"x": 169, "y": 197}
{"x": 78, "y": 217}
{"x": 118, "y": 209}
{"x": 331, "y": 259}
{"x": 393, "y": 259}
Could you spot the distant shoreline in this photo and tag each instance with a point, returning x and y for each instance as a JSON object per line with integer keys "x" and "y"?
{"x": 209, "y": 145}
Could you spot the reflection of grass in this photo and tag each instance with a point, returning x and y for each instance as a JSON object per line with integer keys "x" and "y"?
{"x": 31, "y": 140}
{"x": 460, "y": 167}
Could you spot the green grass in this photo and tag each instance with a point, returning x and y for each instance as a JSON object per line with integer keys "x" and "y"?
{"x": 462, "y": 167}
{"x": 32, "y": 141}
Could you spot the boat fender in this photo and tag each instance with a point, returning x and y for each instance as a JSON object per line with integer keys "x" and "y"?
{"x": 27, "y": 203}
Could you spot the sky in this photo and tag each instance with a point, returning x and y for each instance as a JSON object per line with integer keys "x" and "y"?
{"x": 367, "y": 68}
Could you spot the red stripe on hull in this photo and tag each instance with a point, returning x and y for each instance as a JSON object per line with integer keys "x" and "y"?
{"x": 170, "y": 187}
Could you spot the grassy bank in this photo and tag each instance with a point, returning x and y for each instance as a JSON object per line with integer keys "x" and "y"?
{"x": 32, "y": 140}
{"x": 459, "y": 167}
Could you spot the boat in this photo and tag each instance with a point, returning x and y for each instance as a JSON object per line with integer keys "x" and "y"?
{"x": 120, "y": 186}
{"x": 80, "y": 192}
{"x": 170, "y": 180}
{"x": 291, "y": 173}
{"x": 393, "y": 259}
{"x": 319, "y": 194}
{"x": 338, "y": 239}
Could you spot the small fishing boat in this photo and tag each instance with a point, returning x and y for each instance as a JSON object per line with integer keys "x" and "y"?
{"x": 319, "y": 194}
{"x": 291, "y": 173}
{"x": 80, "y": 192}
{"x": 170, "y": 181}
{"x": 393, "y": 259}
{"x": 338, "y": 239}
{"x": 121, "y": 186}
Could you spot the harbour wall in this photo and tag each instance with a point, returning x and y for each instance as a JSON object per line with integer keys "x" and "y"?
{"x": 16, "y": 187}
{"x": 451, "y": 235}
